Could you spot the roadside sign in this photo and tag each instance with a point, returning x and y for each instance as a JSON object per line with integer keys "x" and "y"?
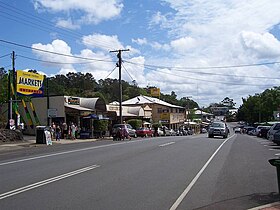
{"x": 52, "y": 113}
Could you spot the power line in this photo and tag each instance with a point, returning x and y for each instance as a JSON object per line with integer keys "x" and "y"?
{"x": 217, "y": 82}
{"x": 128, "y": 73}
{"x": 55, "y": 53}
{"x": 65, "y": 31}
{"x": 111, "y": 72}
{"x": 208, "y": 67}
{"x": 3, "y": 56}
{"x": 153, "y": 67}
{"x": 44, "y": 61}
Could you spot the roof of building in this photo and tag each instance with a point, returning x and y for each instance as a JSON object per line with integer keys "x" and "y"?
{"x": 148, "y": 100}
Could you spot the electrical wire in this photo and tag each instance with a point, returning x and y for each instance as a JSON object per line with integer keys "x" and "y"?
{"x": 208, "y": 67}
{"x": 55, "y": 53}
{"x": 45, "y": 22}
{"x": 3, "y": 56}
{"x": 128, "y": 73}
{"x": 110, "y": 72}
{"x": 217, "y": 82}
{"x": 44, "y": 61}
{"x": 153, "y": 67}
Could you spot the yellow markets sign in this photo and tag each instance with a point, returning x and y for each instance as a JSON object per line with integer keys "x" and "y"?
{"x": 165, "y": 116}
{"x": 29, "y": 83}
{"x": 155, "y": 92}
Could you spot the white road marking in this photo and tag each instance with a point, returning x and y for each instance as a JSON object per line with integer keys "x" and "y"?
{"x": 67, "y": 152}
{"x": 45, "y": 182}
{"x": 274, "y": 150}
{"x": 278, "y": 154}
{"x": 189, "y": 187}
{"x": 163, "y": 145}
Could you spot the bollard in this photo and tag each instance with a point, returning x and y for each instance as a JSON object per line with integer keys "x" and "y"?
{"x": 276, "y": 163}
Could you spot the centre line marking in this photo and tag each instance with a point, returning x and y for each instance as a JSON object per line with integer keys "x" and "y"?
{"x": 45, "y": 182}
{"x": 163, "y": 145}
{"x": 189, "y": 187}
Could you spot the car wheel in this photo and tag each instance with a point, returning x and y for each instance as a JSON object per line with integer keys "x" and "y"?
{"x": 210, "y": 136}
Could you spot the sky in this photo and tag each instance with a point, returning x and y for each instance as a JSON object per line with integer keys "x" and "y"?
{"x": 201, "y": 49}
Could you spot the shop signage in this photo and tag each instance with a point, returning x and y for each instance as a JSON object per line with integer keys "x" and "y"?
{"x": 155, "y": 92}
{"x": 165, "y": 116}
{"x": 29, "y": 83}
{"x": 52, "y": 113}
{"x": 73, "y": 101}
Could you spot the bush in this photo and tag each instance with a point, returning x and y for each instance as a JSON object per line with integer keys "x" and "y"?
{"x": 100, "y": 125}
{"x": 135, "y": 123}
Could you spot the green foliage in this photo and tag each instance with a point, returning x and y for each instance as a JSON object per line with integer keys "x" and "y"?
{"x": 260, "y": 107}
{"x": 135, "y": 123}
{"x": 157, "y": 125}
{"x": 100, "y": 125}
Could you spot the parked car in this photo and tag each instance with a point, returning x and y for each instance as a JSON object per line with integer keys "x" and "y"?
{"x": 276, "y": 137}
{"x": 274, "y": 129}
{"x": 128, "y": 127}
{"x": 172, "y": 132}
{"x": 258, "y": 129}
{"x": 144, "y": 132}
{"x": 218, "y": 129}
{"x": 262, "y": 131}
{"x": 252, "y": 132}
{"x": 237, "y": 130}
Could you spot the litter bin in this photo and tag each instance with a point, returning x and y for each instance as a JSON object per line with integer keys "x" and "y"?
{"x": 40, "y": 135}
{"x": 276, "y": 163}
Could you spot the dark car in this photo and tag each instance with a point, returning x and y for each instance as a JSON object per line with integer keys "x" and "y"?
{"x": 218, "y": 129}
{"x": 128, "y": 127}
{"x": 274, "y": 129}
{"x": 144, "y": 132}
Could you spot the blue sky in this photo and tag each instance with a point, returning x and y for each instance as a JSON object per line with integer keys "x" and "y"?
{"x": 197, "y": 48}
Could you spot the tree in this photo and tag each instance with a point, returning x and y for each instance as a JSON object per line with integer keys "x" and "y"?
{"x": 228, "y": 102}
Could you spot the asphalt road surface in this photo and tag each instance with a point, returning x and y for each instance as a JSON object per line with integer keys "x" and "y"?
{"x": 180, "y": 172}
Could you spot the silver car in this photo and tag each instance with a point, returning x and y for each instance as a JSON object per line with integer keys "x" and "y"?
{"x": 218, "y": 129}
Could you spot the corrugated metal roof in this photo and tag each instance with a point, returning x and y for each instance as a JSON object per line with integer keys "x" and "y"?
{"x": 148, "y": 100}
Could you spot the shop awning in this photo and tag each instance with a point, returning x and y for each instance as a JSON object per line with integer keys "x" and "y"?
{"x": 91, "y": 116}
{"x": 77, "y": 107}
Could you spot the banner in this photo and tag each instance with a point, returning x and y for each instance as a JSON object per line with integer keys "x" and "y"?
{"x": 155, "y": 92}
{"x": 29, "y": 83}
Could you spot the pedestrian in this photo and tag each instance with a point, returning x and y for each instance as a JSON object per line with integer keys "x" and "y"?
{"x": 73, "y": 131}
{"x": 64, "y": 130}
{"x": 57, "y": 133}
{"x": 53, "y": 129}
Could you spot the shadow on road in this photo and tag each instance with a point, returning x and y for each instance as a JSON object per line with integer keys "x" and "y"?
{"x": 244, "y": 202}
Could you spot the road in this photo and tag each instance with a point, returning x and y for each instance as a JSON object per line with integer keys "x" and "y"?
{"x": 181, "y": 172}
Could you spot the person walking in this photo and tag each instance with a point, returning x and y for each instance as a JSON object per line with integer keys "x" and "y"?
{"x": 57, "y": 133}
{"x": 73, "y": 131}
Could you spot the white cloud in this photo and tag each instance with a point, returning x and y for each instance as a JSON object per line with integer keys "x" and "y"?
{"x": 107, "y": 43}
{"x": 183, "y": 44}
{"x": 140, "y": 41}
{"x": 103, "y": 42}
{"x": 67, "y": 24}
{"x": 219, "y": 33}
{"x": 262, "y": 45}
{"x": 58, "y": 47}
{"x": 90, "y": 12}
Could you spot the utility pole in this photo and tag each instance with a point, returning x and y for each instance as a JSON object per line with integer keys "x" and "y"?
{"x": 14, "y": 85}
{"x": 119, "y": 64}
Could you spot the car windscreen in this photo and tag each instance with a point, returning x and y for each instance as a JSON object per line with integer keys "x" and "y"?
{"x": 218, "y": 125}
